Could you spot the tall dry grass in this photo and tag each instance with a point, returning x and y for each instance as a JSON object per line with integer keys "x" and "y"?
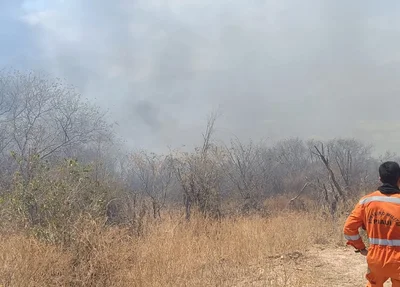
{"x": 237, "y": 251}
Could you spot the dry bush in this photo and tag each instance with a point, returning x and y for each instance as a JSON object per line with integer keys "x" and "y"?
{"x": 233, "y": 251}
{"x": 50, "y": 204}
{"x": 64, "y": 240}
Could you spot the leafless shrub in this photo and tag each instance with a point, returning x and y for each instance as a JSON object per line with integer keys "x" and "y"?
{"x": 199, "y": 175}
{"x": 154, "y": 172}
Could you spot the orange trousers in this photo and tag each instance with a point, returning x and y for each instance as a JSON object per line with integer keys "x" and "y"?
{"x": 375, "y": 279}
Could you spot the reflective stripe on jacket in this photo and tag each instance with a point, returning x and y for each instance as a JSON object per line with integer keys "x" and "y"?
{"x": 379, "y": 214}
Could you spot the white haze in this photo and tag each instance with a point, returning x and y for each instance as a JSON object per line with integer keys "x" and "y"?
{"x": 274, "y": 69}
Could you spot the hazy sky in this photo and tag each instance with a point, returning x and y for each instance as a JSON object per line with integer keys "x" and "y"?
{"x": 274, "y": 69}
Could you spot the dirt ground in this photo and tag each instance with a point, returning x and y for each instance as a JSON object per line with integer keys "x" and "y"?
{"x": 339, "y": 267}
{"x": 319, "y": 266}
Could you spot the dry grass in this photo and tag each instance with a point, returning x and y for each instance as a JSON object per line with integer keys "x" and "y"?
{"x": 232, "y": 252}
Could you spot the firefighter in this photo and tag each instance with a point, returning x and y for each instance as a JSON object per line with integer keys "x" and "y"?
{"x": 379, "y": 214}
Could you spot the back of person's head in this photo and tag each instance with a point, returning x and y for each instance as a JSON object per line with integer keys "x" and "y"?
{"x": 389, "y": 172}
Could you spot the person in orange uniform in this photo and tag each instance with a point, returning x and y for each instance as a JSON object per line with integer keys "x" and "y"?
{"x": 379, "y": 214}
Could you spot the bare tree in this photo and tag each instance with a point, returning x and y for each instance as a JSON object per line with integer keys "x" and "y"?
{"x": 243, "y": 166}
{"x": 292, "y": 154}
{"x": 199, "y": 175}
{"x": 325, "y": 160}
{"x": 351, "y": 159}
{"x": 44, "y": 118}
{"x": 154, "y": 173}
{"x": 338, "y": 164}
{"x": 293, "y": 158}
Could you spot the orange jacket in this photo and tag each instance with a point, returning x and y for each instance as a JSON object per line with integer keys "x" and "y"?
{"x": 379, "y": 213}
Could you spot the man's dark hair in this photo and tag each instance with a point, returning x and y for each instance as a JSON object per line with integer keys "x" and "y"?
{"x": 389, "y": 172}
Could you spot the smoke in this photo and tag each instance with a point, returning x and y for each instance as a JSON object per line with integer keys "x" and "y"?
{"x": 274, "y": 69}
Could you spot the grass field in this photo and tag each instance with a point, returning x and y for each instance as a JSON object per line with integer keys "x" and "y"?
{"x": 172, "y": 252}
